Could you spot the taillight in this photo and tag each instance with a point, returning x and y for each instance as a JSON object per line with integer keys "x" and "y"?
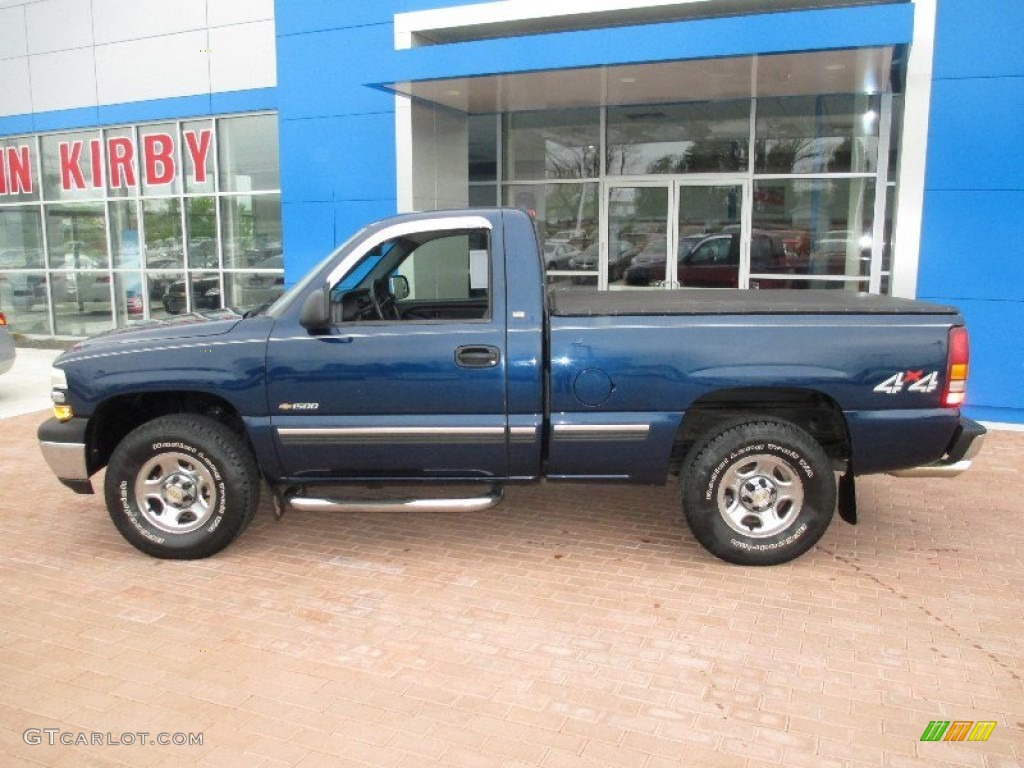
{"x": 958, "y": 362}
{"x": 3, "y": 320}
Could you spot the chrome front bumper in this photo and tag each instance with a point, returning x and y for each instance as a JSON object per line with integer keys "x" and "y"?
{"x": 962, "y": 451}
{"x": 64, "y": 449}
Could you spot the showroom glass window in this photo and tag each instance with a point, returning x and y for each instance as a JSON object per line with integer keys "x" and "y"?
{"x": 804, "y": 173}
{"x": 126, "y": 223}
{"x": 552, "y": 165}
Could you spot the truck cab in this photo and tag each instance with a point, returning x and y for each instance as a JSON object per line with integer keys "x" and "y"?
{"x": 415, "y": 355}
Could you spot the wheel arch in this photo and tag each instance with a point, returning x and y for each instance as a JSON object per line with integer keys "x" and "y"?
{"x": 813, "y": 411}
{"x": 115, "y": 417}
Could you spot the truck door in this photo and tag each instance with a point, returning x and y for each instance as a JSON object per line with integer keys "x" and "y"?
{"x": 409, "y": 380}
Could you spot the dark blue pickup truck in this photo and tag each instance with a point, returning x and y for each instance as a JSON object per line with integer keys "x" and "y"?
{"x": 426, "y": 353}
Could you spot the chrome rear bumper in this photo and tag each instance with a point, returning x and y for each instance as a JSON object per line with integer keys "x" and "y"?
{"x": 962, "y": 451}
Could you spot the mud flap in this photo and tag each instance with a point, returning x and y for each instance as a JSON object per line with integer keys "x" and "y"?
{"x": 848, "y": 497}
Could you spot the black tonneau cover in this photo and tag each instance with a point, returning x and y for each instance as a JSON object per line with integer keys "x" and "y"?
{"x": 590, "y": 302}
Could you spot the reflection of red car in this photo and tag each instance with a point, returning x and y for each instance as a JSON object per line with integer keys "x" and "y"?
{"x": 133, "y": 304}
{"x": 649, "y": 265}
{"x": 715, "y": 261}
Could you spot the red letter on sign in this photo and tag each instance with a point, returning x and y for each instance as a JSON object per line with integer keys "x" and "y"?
{"x": 97, "y": 164}
{"x": 3, "y": 174}
{"x": 159, "y": 151}
{"x": 70, "y": 168}
{"x": 119, "y": 159}
{"x": 198, "y": 143}
{"x": 19, "y": 165}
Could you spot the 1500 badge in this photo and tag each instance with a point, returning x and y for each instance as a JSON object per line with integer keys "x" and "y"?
{"x": 911, "y": 381}
{"x": 298, "y": 406}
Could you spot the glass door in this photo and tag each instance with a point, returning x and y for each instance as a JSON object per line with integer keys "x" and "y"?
{"x": 638, "y": 235}
{"x": 712, "y": 237}
{"x": 676, "y": 234}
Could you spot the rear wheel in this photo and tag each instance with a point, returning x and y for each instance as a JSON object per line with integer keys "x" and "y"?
{"x": 758, "y": 491}
{"x": 181, "y": 487}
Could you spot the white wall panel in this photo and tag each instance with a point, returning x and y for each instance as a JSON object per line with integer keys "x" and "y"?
{"x": 58, "y": 25}
{"x": 120, "y": 20}
{"x": 16, "y": 98}
{"x": 223, "y": 12}
{"x": 12, "y": 33}
{"x": 64, "y": 80}
{"x": 67, "y": 54}
{"x": 154, "y": 68}
{"x": 439, "y": 159}
{"x": 243, "y": 56}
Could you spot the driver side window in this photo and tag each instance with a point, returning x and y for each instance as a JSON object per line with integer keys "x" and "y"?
{"x": 422, "y": 276}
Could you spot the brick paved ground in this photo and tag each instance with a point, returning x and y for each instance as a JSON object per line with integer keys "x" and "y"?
{"x": 572, "y": 626}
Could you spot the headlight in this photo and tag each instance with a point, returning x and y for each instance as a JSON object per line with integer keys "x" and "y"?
{"x": 58, "y": 378}
{"x": 59, "y": 394}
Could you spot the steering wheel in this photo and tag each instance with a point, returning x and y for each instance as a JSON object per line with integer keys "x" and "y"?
{"x": 383, "y": 302}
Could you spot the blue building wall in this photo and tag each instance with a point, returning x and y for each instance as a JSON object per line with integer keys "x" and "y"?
{"x": 971, "y": 254}
{"x": 337, "y": 136}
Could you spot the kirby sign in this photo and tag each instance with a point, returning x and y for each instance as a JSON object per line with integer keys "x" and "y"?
{"x": 154, "y": 158}
{"x": 15, "y": 171}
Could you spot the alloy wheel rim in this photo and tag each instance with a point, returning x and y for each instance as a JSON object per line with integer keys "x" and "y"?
{"x": 760, "y": 496}
{"x": 175, "y": 493}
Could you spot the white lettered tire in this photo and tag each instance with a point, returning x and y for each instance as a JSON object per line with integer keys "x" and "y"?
{"x": 181, "y": 487}
{"x": 758, "y": 491}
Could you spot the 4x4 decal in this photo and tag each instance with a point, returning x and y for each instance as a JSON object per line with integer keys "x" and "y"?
{"x": 911, "y": 381}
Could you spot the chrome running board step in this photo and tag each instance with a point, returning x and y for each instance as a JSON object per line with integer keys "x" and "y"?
{"x": 469, "y": 504}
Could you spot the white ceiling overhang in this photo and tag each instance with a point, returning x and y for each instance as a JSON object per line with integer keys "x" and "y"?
{"x": 861, "y": 70}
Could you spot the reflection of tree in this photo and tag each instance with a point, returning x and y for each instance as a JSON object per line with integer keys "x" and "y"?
{"x": 841, "y": 157}
{"x": 811, "y": 155}
{"x": 619, "y": 158}
{"x": 572, "y": 206}
{"x": 782, "y": 155}
{"x": 202, "y": 218}
{"x": 702, "y": 156}
{"x": 572, "y": 162}
{"x": 164, "y": 225}
{"x": 652, "y": 204}
{"x": 583, "y": 162}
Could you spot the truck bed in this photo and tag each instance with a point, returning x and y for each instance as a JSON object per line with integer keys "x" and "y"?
{"x": 587, "y": 302}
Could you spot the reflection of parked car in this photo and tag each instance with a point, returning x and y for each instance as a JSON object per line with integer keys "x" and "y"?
{"x": 89, "y": 287}
{"x": 133, "y": 304}
{"x": 620, "y": 254}
{"x": 82, "y": 278}
{"x": 568, "y": 236}
{"x": 159, "y": 281}
{"x": 6, "y": 346}
{"x": 557, "y": 255}
{"x": 841, "y": 253}
{"x": 205, "y": 294}
{"x": 20, "y": 290}
{"x": 262, "y": 288}
{"x": 648, "y": 266}
{"x": 710, "y": 261}
{"x": 715, "y": 261}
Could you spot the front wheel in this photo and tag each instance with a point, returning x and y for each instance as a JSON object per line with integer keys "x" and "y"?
{"x": 758, "y": 491}
{"x": 181, "y": 487}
